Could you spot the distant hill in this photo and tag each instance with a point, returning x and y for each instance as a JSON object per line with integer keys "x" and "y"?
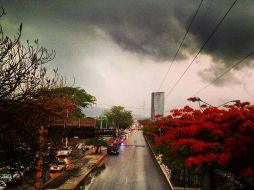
{"x": 97, "y": 111}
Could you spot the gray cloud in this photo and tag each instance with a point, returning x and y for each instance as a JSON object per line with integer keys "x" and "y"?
{"x": 152, "y": 28}
{"x": 235, "y": 37}
{"x": 212, "y": 73}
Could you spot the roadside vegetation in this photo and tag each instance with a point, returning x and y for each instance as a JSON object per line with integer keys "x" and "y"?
{"x": 119, "y": 117}
{"x": 98, "y": 143}
{"x": 210, "y": 141}
{"x": 30, "y": 98}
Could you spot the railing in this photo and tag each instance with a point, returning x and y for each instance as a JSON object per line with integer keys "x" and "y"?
{"x": 217, "y": 179}
{"x": 185, "y": 178}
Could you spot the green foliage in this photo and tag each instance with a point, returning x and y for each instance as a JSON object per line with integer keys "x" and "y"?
{"x": 101, "y": 122}
{"x": 97, "y": 142}
{"x": 29, "y": 97}
{"x": 79, "y": 97}
{"x": 119, "y": 117}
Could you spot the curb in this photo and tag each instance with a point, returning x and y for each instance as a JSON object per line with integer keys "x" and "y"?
{"x": 158, "y": 165}
{"x": 84, "y": 177}
{"x": 77, "y": 184}
{"x": 62, "y": 174}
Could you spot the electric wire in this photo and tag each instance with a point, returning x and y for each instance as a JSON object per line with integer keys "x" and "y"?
{"x": 220, "y": 76}
{"x": 202, "y": 47}
{"x": 187, "y": 31}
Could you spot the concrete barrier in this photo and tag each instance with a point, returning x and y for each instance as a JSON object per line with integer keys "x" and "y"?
{"x": 90, "y": 171}
{"x": 71, "y": 182}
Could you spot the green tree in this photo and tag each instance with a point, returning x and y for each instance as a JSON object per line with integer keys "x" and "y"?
{"x": 28, "y": 96}
{"x": 119, "y": 117}
{"x": 79, "y": 97}
{"x": 98, "y": 143}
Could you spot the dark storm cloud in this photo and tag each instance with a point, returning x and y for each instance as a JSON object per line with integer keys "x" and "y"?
{"x": 154, "y": 28}
{"x": 235, "y": 37}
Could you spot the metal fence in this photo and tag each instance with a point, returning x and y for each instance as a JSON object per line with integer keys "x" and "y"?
{"x": 215, "y": 180}
{"x": 184, "y": 178}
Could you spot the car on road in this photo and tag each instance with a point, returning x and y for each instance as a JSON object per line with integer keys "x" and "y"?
{"x": 118, "y": 141}
{"x": 3, "y": 185}
{"x": 123, "y": 136}
{"x": 66, "y": 151}
{"x": 58, "y": 165}
{"x": 112, "y": 150}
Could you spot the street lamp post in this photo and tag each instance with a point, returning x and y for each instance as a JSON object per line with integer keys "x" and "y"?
{"x": 100, "y": 121}
{"x": 67, "y": 115}
{"x": 197, "y": 99}
{"x": 233, "y": 101}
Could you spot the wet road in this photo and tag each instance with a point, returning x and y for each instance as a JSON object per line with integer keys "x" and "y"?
{"x": 132, "y": 169}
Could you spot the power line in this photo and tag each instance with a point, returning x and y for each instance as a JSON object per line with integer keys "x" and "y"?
{"x": 225, "y": 72}
{"x": 187, "y": 31}
{"x": 202, "y": 47}
{"x": 221, "y": 75}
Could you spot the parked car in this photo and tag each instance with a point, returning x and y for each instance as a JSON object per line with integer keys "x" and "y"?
{"x": 66, "y": 151}
{"x": 10, "y": 176}
{"x": 87, "y": 147}
{"x": 79, "y": 145}
{"x": 58, "y": 165}
{"x": 112, "y": 150}
{"x": 3, "y": 185}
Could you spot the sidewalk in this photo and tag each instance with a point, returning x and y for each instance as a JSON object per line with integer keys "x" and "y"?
{"x": 72, "y": 178}
{"x": 160, "y": 165}
{"x": 164, "y": 170}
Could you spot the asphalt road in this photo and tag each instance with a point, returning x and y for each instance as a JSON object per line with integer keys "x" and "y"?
{"x": 132, "y": 169}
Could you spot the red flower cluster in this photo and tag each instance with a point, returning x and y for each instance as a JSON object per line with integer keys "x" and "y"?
{"x": 56, "y": 107}
{"x": 216, "y": 138}
{"x": 247, "y": 172}
{"x": 193, "y": 99}
{"x": 158, "y": 116}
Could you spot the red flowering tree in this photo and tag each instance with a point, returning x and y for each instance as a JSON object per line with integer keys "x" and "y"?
{"x": 29, "y": 97}
{"x": 212, "y": 139}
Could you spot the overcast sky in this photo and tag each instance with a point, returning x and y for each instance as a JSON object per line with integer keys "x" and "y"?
{"x": 120, "y": 50}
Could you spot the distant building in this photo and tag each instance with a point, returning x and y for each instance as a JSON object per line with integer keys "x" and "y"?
{"x": 157, "y": 105}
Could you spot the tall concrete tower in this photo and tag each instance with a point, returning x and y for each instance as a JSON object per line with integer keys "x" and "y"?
{"x": 157, "y": 105}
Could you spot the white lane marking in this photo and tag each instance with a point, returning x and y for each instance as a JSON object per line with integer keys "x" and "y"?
{"x": 126, "y": 180}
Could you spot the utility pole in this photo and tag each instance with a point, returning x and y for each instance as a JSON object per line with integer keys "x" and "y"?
{"x": 100, "y": 121}
{"x": 101, "y": 118}
{"x": 144, "y": 108}
{"x": 66, "y": 139}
